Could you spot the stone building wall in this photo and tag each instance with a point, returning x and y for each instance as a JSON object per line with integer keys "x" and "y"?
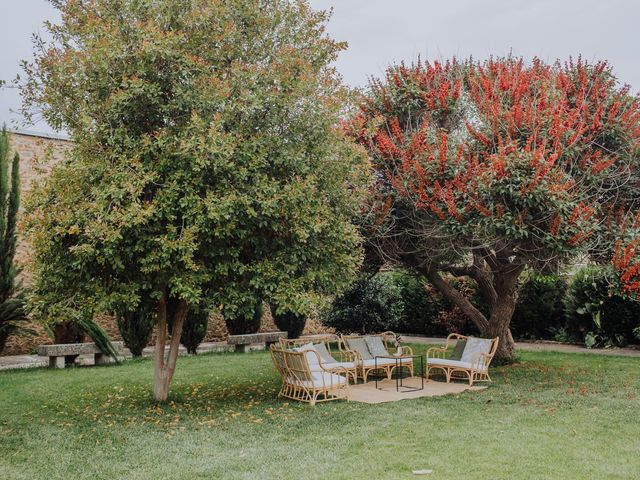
{"x": 38, "y": 155}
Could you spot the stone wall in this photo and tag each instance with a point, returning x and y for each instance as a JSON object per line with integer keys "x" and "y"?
{"x": 38, "y": 155}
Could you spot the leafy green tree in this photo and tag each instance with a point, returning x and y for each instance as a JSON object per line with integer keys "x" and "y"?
{"x": 12, "y": 306}
{"x": 207, "y": 165}
{"x": 372, "y": 304}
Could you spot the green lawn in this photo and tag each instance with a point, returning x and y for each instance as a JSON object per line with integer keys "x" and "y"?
{"x": 565, "y": 416}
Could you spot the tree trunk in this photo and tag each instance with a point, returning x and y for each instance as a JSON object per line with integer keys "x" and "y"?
{"x": 164, "y": 368}
{"x": 498, "y": 288}
{"x": 498, "y": 326}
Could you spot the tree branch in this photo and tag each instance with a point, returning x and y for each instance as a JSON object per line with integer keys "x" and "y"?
{"x": 457, "y": 298}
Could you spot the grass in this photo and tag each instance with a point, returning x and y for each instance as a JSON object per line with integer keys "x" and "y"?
{"x": 551, "y": 415}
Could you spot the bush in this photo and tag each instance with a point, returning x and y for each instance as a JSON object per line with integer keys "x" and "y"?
{"x": 539, "y": 311}
{"x": 194, "y": 330}
{"x": 422, "y": 304}
{"x": 242, "y": 324}
{"x": 135, "y": 328}
{"x": 595, "y": 313}
{"x": 372, "y": 304}
{"x": 289, "y": 322}
{"x": 451, "y": 318}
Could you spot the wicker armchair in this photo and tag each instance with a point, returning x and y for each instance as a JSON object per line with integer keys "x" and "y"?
{"x": 300, "y": 383}
{"x": 365, "y": 357}
{"x": 468, "y": 360}
{"x": 331, "y": 356}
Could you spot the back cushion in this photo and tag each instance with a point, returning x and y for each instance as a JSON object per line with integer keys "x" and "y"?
{"x": 376, "y": 346}
{"x": 326, "y": 357}
{"x": 456, "y": 354}
{"x": 474, "y": 346}
{"x": 360, "y": 346}
{"x": 312, "y": 358}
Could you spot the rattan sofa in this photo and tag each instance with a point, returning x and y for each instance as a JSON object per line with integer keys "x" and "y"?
{"x": 468, "y": 359}
{"x": 366, "y": 352}
{"x": 328, "y": 348}
{"x": 300, "y": 382}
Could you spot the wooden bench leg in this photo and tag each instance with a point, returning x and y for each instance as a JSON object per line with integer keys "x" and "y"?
{"x": 56, "y": 362}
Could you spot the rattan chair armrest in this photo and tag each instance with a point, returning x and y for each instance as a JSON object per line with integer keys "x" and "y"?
{"x": 349, "y": 355}
{"x": 476, "y": 363}
{"x": 454, "y": 336}
{"x": 334, "y": 371}
{"x": 438, "y": 352}
{"x": 355, "y": 356}
{"x": 407, "y": 349}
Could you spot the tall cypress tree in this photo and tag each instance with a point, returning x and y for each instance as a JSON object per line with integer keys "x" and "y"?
{"x": 9, "y": 204}
{"x": 12, "y": 313}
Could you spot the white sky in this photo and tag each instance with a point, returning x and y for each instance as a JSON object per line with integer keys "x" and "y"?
{"x": 380, "y": 32}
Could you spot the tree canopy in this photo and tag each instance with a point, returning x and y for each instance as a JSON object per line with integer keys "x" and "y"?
{"x": 207, "y": 167}
{"x": 485, "y": 168}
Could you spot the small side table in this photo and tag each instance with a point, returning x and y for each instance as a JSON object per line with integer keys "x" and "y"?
{"x": 399, "y": 377}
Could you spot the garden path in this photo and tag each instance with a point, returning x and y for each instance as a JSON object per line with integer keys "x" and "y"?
{"x": 25, "y": 361}
{"x": 541, "y": 346}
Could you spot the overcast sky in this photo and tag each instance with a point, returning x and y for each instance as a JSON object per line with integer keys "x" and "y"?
{"x": 380, "y": 32}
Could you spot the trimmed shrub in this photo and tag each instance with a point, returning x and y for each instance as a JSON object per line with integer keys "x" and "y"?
{"x": 242, "y": 324}
{"x": 372, "y": 304}
{"x": 289, "y": 322}
{"x": 194, "y": 330}
{"x": 135, "y": 328}
{"x": 595, "y": 313}
{"x": 539, "y": 311}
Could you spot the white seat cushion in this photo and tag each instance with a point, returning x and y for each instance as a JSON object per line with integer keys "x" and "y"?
{"x": 324, "y": 380}
{"x": 329, "y": 366}
{"x": 445, "y": 362}
{"x": 347, "y": 365}
{"x": 383, "y": 362}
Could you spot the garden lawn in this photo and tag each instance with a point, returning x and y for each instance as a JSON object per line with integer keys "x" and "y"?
{"x": 550, "y": 416}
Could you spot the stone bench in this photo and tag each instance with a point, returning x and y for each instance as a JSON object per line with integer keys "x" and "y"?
{"x": 56, "y": 353}
{"x": 243, "y": 342}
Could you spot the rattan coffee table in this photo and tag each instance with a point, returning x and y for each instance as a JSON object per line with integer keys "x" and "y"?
{"x": 398, "y": 371}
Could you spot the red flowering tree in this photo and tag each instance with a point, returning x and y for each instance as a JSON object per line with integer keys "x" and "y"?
{"x": 484, "y": 169}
